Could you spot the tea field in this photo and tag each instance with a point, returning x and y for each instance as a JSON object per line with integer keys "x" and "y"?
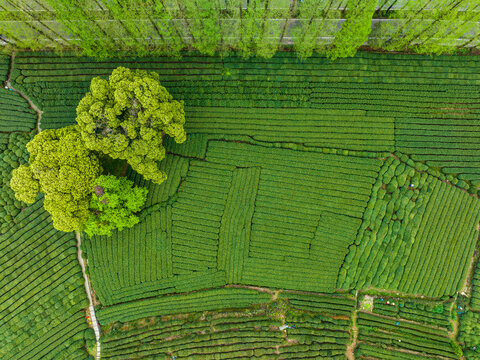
{"x": 318, "y": 210}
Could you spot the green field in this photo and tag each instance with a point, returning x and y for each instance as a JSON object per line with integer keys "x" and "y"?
{"x": 43, "y": 297}
{"x": 302, "y": 187}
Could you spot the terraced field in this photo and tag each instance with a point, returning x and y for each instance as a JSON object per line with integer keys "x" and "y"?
{"x": 42, "y": 298}
{"x": 242, "y": 334}
{"x": 301, "y": 188}
{"x": 400, "y": 335}
{"x": 476, "y": 289}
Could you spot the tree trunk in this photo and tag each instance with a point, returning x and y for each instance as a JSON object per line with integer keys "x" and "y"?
{"x": 99, "y": 191}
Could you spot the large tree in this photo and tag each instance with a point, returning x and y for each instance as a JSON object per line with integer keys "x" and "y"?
{"x": 113, "y": 205}
{"x": 355, "y": 30}
{"x": 63, "y": 169}
{"x": 126, "y": 118}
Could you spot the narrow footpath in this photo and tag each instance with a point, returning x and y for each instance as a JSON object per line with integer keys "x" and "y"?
{"x": 8, "y": 85}
{"x": 91, "y": 309}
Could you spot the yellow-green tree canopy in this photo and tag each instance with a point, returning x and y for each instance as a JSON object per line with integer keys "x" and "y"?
{"x": 63, "y": 169}
{"x": 26, "y": 187}
{"x": 126, "y": 118}
{"x": 113, "y": 205}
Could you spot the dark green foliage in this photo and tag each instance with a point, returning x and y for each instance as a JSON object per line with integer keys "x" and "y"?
{"x": 300, "y": 135}
{"x": 352, "y": 108}
{"x": 16, "y": 114}
{"x": 408, "y": 212}
{"x": 469, "y": 334}
{"x": 175, "y": 167}
{"x": 309, "y": 215}
{"x": 323, "y": 304}
{"x": 447, "y": 140}
{"x": 475, "y": 302}
{"x": 321, "y": 336}
{"x": 113, "y": 205}
{"x": 13, "y": 153}
{"x": 435, "y": 314}
{"x": 252, "y": 333}
{"x": 89, "y": 338}
{"x": 150, "y": 262}
{"x": 235, "y": 228}
{"x": 403, "y": 335}
{"x": 213, "y": 299}
{"x": 227, "y": 335}
{"x": 271, "y": 190}
{"x": 42, "y": 293}
{"x": 377, "y": 352}
{"x": 4, "y": 67}
{"x": 456, "y": 348}
{"x": 194, "y": 147}
{"x": 116, "y": 167}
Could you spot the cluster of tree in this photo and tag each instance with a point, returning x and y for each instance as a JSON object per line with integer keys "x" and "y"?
{"x": 430, "y": 27}
{"x": 355, "y": 29}
{"x": 124, "y": 118}
{"x": 254, "y": 27}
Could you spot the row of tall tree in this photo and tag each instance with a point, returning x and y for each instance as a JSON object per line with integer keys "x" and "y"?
{"x": 336, "y": 28}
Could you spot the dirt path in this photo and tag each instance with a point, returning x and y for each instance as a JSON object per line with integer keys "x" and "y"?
{"x": 394, "y": 293}
{"x": 8, "y": 85}
{"x": 350, "y": 354}
{"x": 262, "y": 289}
{"x": 454, "y": 322}
{"x": 467, "y": 285}
{"x": 351, "y": 347}
{"x": 91, "y": 309}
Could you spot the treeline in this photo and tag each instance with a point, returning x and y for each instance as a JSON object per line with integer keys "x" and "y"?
{"x": 336, "y": 28}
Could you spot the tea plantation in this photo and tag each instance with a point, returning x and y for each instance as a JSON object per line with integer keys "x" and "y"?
{"x": 318, "y": 210}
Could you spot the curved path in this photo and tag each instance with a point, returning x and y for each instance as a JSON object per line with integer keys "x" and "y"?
{"x": 30, "y": 102}
{"x": 91, "y": 309}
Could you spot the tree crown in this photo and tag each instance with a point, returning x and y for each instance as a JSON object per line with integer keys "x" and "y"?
{"x": 127, "y": 116}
